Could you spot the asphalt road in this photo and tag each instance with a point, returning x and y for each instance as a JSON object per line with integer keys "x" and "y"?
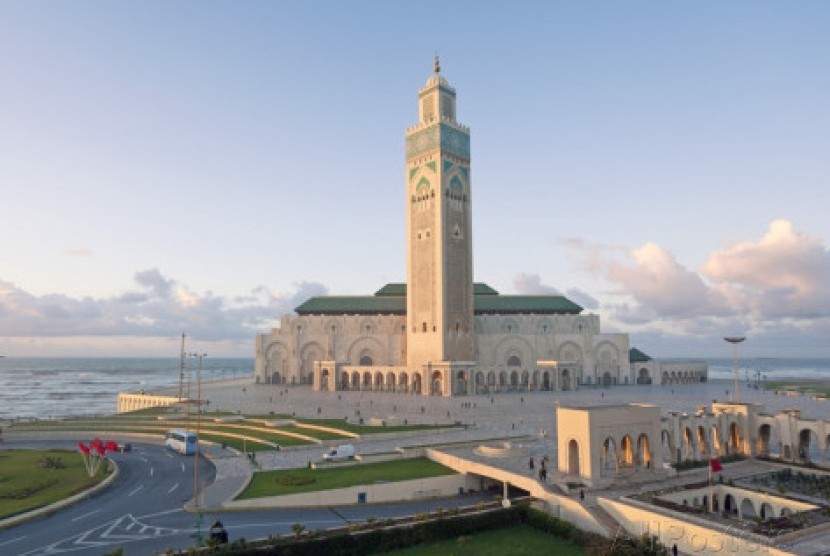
{"x": 142, "y": 511}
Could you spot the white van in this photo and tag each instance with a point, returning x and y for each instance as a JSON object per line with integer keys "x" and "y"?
{"x": 340, "y": 453}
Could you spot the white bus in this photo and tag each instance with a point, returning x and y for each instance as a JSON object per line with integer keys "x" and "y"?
{"x": 181, "y": 441}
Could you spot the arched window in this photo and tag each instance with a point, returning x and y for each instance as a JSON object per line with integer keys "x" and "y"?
{"x": 365, "y": 361}
{"x": 514, "y": 361}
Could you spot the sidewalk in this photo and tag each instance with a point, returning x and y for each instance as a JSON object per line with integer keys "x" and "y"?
{"x": 233, "y": 473}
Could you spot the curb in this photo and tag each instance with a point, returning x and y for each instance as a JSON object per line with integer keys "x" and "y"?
{"x": 61, "y": 504}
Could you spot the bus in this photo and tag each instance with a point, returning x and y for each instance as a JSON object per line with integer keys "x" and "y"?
{"x": 181, "y": 441}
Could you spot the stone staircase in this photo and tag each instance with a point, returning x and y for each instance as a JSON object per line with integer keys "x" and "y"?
{"x": 611, "y": 525}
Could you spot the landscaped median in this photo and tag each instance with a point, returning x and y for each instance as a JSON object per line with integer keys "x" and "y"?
{"x": 387, "y": 481}
{"x": 31, "y": 479}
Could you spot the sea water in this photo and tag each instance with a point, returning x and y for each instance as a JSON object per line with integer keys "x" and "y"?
{"x": 44, "y": 387}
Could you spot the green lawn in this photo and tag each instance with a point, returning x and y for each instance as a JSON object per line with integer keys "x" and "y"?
{"x": 342, "y": 424}
{"x": 819, "y": 387}
{"x": 26, "y": 485}
{"x": 520, "y": 540}
{"x": 292, "y": 481}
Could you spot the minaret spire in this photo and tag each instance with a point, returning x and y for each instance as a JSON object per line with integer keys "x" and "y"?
{"x": 437, "y": 68}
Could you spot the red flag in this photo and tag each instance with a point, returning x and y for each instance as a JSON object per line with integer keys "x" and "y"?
{"x": 713, "y": 463}
{"x": 82, "y": 448}
{"x": 110, "y": 446}
{"x": 100, "y": 449}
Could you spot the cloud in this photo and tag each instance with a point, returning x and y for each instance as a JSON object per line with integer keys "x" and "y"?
{"x": 531, "y": 284}
{"x": 775, "y": 283}
{"x": 583, "y": 298}
{"x": 785, "y": 274}
{"x": 158, "y": 307}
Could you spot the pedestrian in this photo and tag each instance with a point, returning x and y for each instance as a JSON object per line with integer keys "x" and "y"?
{"x": 674, "y": 550}
{"x": 530, "y": 464}
{"x": 582, "y": 494}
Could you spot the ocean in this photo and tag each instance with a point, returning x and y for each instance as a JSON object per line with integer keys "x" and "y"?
{"x": 44, "y": 387}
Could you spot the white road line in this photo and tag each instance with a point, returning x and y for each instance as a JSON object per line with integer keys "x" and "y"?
{"x": 172, "y": 488}
{"x": 86, "y": 515}
{"x": 145, "y": 460}
{"x": 169, "y": 455}
{"x": 152, "y": 470}
{"x": 4, "y": 543}
{"x": 182, "y": 467}
{"x": 165, "y": 512}
{"x": 136, "y": 490}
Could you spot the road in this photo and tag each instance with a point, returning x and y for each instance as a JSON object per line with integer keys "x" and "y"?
{"x": 142, "y": 513}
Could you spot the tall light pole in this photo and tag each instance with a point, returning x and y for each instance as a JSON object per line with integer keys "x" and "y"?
{"x": 735, "y": 340}
{"x": 200, "y": 356}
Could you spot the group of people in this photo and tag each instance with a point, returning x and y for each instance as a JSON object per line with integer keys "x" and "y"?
{"x": 543, "y": 470}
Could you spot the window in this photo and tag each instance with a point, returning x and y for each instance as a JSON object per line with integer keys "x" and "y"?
{"x": 425, "y": 327}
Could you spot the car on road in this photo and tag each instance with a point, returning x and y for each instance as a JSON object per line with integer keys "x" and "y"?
{"x": 340, "y": 453}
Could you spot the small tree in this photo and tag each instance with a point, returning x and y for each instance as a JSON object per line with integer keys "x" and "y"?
{"x": 298, "y": 529}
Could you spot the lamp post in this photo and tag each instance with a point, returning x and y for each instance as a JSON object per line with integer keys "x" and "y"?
{"x": 735, "y": 340}
{"x": 200, "y": 356}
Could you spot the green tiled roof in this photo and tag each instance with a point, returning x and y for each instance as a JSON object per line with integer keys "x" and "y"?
{"x": 353, "y": 305}
{"x": 385, "y": 302}
{"x": 637, "y": 356}
{"x": 399, "y": 289}
{"x": 537, "y": 304}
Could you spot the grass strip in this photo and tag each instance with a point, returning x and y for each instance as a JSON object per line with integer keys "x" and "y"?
{"x": 293, "y": 481}
{"x": 26, "y": 482}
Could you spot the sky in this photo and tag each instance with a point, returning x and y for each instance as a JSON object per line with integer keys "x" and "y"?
{"x": 204, "y": 167}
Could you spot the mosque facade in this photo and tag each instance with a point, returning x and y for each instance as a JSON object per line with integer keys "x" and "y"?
{"x": 441, "y": 333}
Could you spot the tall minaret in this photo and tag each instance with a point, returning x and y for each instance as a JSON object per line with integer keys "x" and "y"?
{"x": 439, "y": 304}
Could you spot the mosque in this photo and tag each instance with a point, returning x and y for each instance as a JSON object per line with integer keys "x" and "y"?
{"x": 441, "y": 333}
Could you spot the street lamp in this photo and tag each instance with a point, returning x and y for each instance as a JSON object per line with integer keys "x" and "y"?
{"x": 735, "y": 340}
{"x": 200, "y": 356}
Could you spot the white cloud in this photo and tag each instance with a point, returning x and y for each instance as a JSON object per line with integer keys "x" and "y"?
{"x": 775, "y": 285}
{"x": 785, "y": 274}
{"x": 158, "y": 308}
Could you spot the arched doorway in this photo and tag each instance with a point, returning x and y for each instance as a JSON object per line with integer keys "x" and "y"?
{"x": 461, "y": 383}
{"x": 355, "y": 380}
{"x": 606, "y": 379}
{"x": 367, "y": 381}
{"x": 391, "y": 382}
{"x": 729, "y": 505}
{"x": 436, "y": 383}
{"x": 610, "y": 457}
{"x": 324, "y": 379}
{"x": 481, "y": 385}
{"x": 573, "y": 457}
{"x": 667, "y": 445}
{"x": 643, "y": 453}
{"x": 735, "y": 440}
{"x": 808, "y": 448}
{"x": 764, "y": 437}
{"x": 626, "y": 452}
{"x": 643, "y": 377}
{"x": 379, "y": 381}
{"x": 767, "y": 512}
{"x": 403, "y": 383}
{"x": 344, "y": 381}
{"x": 702, "y": 442}
{"x": 717, "y": 448}
{"x": 566, "y": 380}
{"x": 276, "y": 378}
{"x": 546, "y": 381}
{"x": 688, "y": 445}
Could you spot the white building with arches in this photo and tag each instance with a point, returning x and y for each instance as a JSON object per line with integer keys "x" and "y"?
{"x": 441, "y": 333}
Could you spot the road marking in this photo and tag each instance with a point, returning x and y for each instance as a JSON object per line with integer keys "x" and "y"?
{"x": 136, "y": 490}
{"x": 172, "y": 488}
{"x": 182, "y": 467}
{"x": 145, "y": 460}
{"x": 152, "y": 470}
{"x": 4, "y": 543}
{"x": 165, "y": 512}
{"x": 86, "y": 515}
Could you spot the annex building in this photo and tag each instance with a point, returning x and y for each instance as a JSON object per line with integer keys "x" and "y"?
{"x": 441, "y": 333}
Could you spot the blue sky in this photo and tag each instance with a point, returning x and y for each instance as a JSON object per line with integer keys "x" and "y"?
{"x": 205, "y": 166}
